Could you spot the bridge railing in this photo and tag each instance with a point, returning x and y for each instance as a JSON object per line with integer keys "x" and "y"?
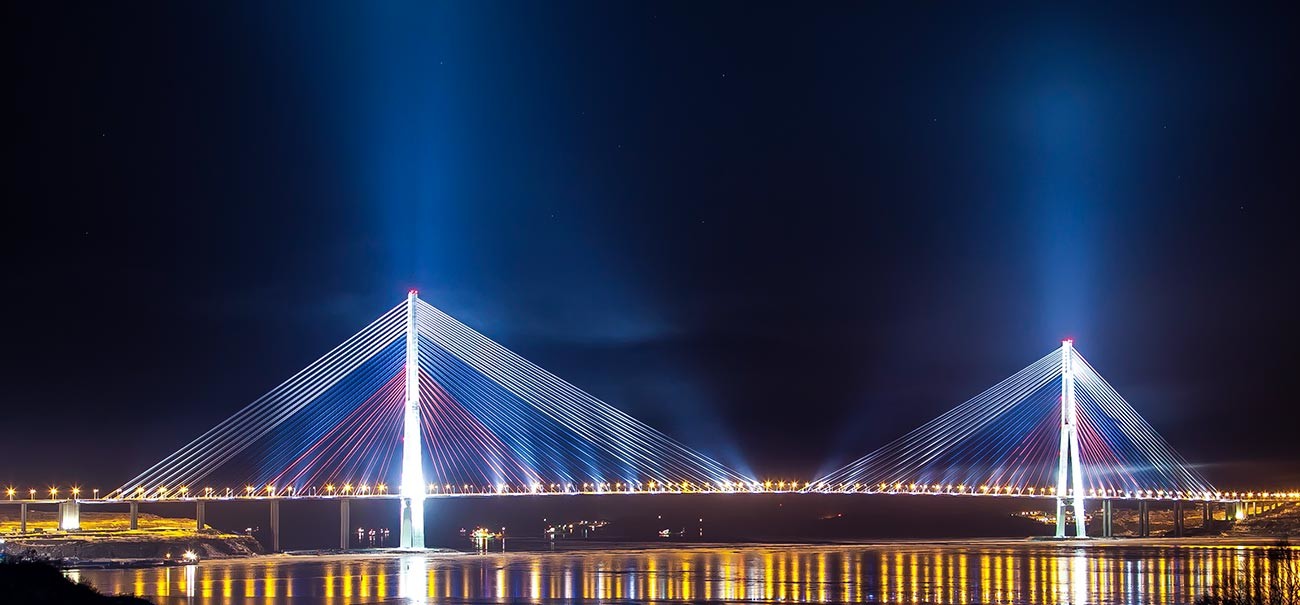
{"x": 382, "y": 491}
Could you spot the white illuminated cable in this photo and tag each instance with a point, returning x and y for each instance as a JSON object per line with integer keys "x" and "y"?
{"x": 569, "y": 411}
{"x": 1106, "y": 473}
{"x": 548, "y": 380}
{"x": 1023, "y": 417}
{"x": 444, "y": 430}
{"x": 506, "y": 461}
{"x": 503, "y": 382}
{"x": 519, "y": 425}
{"x": 1161, "y": 458}
{"x": 1044, "y": 441}
{"x": 448, "y": 433}
{"x": 375, "y": 466}
{"x": 1147, "y": 438}
{"x": 333, "y": 445}
{"x": 340, "y": 402}
{"x": 555, "y": 446}
{"x": 926, "y": 440}
{"x": 1154, "y": 465}
{"x": 193, "y": 460}
{"x": 348, "y": 427}
{"x": 555, "y": 397}
{"x": 1092, "y": 413}
{"x": 909, "y": 461}
{"x": 454, "y": 377}
{"x": 244, "y": 427}
{"x": 248, "y": 428}
{"x": 910, "y": 452}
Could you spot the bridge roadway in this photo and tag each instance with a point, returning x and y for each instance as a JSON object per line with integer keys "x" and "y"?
{"x": 1235, "y": 505}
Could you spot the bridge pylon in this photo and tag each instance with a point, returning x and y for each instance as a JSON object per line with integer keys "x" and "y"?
{"x": 412, "y": 490}
{"x": 1069, "y": 472}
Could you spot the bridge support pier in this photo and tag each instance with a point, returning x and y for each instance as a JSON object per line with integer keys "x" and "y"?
{"x": 200, "y": 511}
{"x": 22, "y": 514}
{"x": 275, "y": 526}
{"x": 135, "y": 515}
{"x": 1107, "y": 520}
{"x": 1207, "y": 516}
{"x": 70, "y": 515}
{"x": 345, "y": 513}
{"x": 1180, "y": 519}
{"x": 1144, "y": 519}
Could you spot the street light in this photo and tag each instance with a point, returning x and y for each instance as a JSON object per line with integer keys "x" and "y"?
{"x": 10, "y": 493}
{"x": 54, "y": 491}
{"x": 95, "y": 493}
{"x": 76, "y": 491}
{"x": 32, "y": 492}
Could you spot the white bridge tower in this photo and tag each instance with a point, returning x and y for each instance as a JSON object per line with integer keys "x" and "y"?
{"x": 1069, "y": 473}
{"x": 412, "y": 492}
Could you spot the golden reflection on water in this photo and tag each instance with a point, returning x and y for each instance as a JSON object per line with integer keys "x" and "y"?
{"x": 1011, "y": 573}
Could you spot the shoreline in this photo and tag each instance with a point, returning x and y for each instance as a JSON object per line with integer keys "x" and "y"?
{"x": 641, "y": 547}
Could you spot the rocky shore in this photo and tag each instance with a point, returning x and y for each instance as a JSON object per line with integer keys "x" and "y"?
{"x": 104, "y": 536}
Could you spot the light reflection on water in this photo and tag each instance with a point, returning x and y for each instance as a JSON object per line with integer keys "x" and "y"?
{"x": 896, "y": 573}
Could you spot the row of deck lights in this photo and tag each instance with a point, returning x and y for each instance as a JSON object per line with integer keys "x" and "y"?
{"x": 380, "y": 489}
{"x": 914, "y": 488}
{"x": 53, "y": 492}
{"x": 433, "y": 488}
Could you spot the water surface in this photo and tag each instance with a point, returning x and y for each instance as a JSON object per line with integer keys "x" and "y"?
{"x": 989, "y": 572}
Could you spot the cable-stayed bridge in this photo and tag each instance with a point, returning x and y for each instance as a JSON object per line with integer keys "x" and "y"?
{"x": 418, "y": 405}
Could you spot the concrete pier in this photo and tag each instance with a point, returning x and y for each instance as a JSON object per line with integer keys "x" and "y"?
{"x": 1144, "y": 519}
{"x": 1179, "y": 519}
{"x": 70, "y": 515}
{"x": 1107, "y": 519}
{"x": 200, "y": 510}
{"x": 135, "y": 515}
{"x": 22, "y": 514}
{"x": 275, "y": 526}
{"x": 345, "y": 513}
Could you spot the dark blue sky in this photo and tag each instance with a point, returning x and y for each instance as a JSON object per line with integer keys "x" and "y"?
{"x": 784, "y": 235}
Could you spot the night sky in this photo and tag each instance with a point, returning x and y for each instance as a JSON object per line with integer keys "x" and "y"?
{"x": 784, "y": 236}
